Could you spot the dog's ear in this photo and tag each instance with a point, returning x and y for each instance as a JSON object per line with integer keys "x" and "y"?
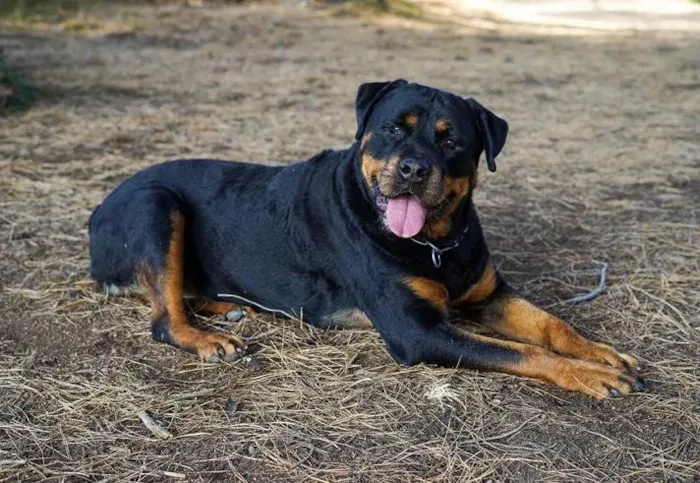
{"x": 493, "y": 131}
{"x": 367, "y": 96}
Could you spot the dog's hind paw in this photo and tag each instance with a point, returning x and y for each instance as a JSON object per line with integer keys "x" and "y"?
{"x": 219, "y": 347}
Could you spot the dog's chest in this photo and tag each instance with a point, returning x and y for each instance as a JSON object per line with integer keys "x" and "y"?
{"x": 459, "y": 275}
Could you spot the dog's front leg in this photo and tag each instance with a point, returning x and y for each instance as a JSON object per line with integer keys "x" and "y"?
{"x": 492, "y": 303}
{"x": 415, "y": 330}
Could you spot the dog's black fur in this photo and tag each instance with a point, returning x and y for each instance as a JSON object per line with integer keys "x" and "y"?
{"x": 311, "y": 238}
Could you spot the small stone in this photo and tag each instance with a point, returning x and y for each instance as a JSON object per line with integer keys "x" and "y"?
{"x": 252, "y": 364}
{"x": 231, "y": 405}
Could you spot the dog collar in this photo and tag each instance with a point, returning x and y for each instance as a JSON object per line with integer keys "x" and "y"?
{"x": 436, "y": 252}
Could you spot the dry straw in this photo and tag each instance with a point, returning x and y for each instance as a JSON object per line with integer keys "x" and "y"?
{"x": 602, "y": 163}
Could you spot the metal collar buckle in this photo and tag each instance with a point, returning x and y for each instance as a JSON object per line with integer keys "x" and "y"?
{"x": 436, "y": 252}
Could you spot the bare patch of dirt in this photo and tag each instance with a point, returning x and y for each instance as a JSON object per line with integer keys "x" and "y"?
{"x": 602, "y": 164}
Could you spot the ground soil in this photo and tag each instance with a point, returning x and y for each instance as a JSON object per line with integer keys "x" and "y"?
{"x": 602, "y": 164}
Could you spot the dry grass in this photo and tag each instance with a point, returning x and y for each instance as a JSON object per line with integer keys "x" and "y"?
{"x": 602, "y": 164}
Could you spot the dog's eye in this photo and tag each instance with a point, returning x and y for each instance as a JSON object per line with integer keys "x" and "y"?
{"x": 393, "y": 129}
{"x": 449, "y": 145}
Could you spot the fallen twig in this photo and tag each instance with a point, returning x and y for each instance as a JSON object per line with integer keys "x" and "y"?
{"x": 153, "y": 426}
{"x": 597, "y": 291}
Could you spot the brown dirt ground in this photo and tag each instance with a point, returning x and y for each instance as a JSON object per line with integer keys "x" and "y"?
{"x": 602, "y": 164}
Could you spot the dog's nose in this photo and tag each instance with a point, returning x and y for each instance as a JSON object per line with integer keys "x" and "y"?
{"x": 414, "y": 170}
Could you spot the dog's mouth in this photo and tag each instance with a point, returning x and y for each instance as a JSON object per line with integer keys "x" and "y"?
{"x": 405, "y": 214}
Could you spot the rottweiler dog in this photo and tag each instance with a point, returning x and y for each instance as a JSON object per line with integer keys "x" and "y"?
{"x": 382, "y": 233}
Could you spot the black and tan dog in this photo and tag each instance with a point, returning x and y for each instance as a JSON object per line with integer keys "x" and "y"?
{"x": 384, "y": 232}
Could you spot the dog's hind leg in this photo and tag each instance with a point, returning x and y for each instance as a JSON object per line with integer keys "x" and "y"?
{"x": 163, "y": 282}
{"x": 137, "y": 237}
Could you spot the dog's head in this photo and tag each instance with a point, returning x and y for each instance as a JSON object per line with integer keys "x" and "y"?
{"x": 419, "y": 152}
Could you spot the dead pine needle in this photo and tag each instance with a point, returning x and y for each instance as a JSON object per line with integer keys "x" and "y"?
{"x": 593, "y": 294}
{"x": 172, "y": 474}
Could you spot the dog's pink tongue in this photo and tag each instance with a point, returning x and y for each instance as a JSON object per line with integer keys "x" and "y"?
{"x": 405, "y": 215}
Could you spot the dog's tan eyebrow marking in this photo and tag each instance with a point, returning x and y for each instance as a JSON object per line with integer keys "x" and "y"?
{"x": 442, "y": 126}
{"x": 410, "y": 119}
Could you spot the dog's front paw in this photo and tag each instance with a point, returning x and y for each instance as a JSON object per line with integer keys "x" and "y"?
{"x": 596, "y": 380}
{"x": 605, "y": 354}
